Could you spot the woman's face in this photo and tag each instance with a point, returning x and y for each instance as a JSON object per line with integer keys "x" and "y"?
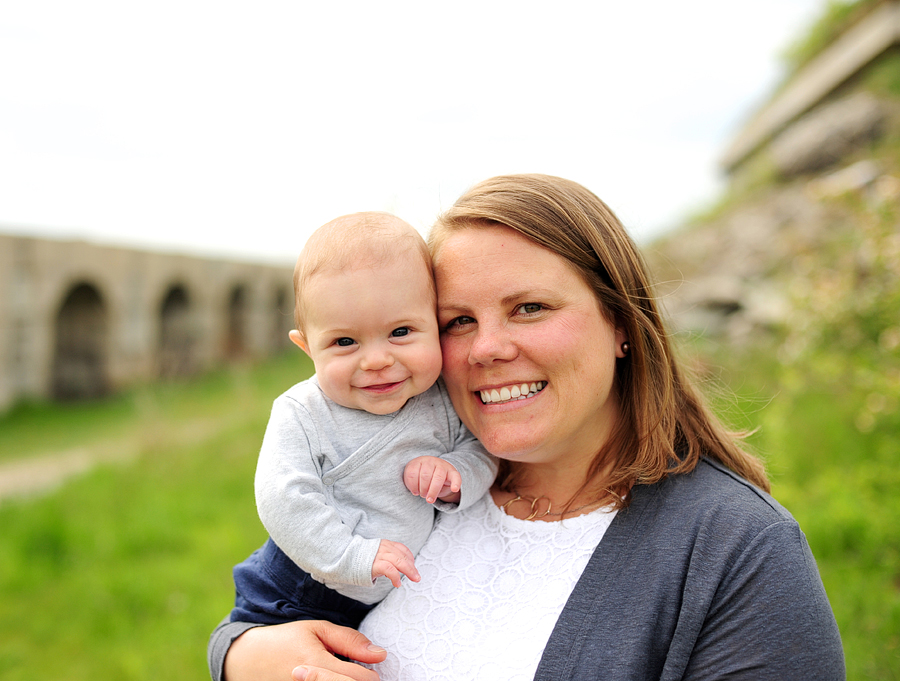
{"x": 529, "y": 358}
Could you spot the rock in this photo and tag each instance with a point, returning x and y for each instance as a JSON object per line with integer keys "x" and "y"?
{"x": 828, "y": 134}
{"x": 726, "y": 278}
{"x": 852, "y": 178}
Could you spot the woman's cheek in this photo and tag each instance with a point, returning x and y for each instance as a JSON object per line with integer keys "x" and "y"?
{"x": 453, "y": 353}
{"x": 456, "y": 364}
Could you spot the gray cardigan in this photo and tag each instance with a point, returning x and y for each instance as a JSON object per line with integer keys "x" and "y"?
{"x": 703, "y": 576}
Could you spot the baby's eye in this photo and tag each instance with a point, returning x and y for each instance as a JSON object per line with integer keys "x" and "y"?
{"x": 344, "y": 342}
{"x": 529, "y": 308}
{"x": 399, "y": 332}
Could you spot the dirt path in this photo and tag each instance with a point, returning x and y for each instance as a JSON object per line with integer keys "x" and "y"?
{"x": 33, "y": 476}
{"x": 43, "y": 474}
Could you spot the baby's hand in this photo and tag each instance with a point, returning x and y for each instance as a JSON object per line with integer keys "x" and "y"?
{"x": 432, "y": 478}
{"x": 392, "y": 559}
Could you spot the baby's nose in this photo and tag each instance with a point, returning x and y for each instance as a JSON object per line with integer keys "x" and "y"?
{"x": 376, "y": 359}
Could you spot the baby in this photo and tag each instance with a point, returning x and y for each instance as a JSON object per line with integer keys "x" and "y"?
{"x": 356, "y": 459}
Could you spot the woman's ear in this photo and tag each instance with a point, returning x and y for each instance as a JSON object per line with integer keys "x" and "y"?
{"x": 622, "y": 346}
{"x": 299, "y": 340}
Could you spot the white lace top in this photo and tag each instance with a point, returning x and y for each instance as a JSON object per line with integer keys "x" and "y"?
{"x": 491, "y": 591}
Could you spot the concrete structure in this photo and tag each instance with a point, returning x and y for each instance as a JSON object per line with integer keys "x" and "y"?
{"x": 855, "y": 49}
{"x": 79, "y": 319}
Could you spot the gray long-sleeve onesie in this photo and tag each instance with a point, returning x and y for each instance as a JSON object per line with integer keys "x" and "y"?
{"x": 329, "y": 482}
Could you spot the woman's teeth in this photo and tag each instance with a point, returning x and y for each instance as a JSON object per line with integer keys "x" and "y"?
{"x": 512, "y": 392}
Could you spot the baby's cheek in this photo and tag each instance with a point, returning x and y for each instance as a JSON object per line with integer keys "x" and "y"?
{"x": 437, "y": 362}
{"x": 428, "y": 362}
{"x": 334, "y": 381}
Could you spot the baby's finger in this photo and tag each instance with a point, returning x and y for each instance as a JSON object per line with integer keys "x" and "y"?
{"x": 405, "y": 562}
{"x": 411, "y": 477}
{"x": 384, "y": 568}
{"x": 408, "y": 568}
{"x": 393, "y": 574}
{"x": 434, "y": 487}
{"x": 426, "y": 475}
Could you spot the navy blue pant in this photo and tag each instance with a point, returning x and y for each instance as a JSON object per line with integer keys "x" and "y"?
{"x": 271, "y": 589}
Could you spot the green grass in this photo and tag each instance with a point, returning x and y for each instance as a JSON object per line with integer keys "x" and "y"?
{"x": 123, "y": 572}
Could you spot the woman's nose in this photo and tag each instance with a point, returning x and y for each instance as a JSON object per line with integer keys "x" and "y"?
{"x": 376, "y": 358}
{"x": 492, "y": 344}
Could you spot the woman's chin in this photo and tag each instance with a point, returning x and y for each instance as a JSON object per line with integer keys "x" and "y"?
{"x": 511, "y": 444}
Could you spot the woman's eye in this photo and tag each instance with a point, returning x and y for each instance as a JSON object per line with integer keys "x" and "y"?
{"x": 458, "y": 323}
{"x": 399, "y": 333}
{"x": 529, "y": 308}
{"x": 344, "y": 342}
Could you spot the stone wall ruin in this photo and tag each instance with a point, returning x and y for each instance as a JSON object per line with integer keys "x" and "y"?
{"x": 80, "y": 320}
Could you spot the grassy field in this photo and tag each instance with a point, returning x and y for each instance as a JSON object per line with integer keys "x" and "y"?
{"x": 123, "y": 572}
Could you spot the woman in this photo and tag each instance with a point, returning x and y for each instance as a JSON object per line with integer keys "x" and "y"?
{"x": 661, "y": 555}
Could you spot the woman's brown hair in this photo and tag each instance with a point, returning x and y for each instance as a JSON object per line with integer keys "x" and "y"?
{"x": 665, "y": 426}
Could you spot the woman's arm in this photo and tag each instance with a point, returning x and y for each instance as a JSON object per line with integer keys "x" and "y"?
{"x": 770, "y": 618}
{"x": 271, "y": 653}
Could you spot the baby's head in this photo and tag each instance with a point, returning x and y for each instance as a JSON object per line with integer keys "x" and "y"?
{"x": 365, "y": 311}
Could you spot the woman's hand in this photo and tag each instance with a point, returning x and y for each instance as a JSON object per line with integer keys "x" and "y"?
{"x": 305, "y": 648}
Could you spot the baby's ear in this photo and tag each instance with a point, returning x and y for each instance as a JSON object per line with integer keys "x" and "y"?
{"x": 299, "y": 340}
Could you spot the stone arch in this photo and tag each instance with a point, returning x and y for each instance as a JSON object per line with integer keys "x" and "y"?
{"x": 81, "y": 345}
{"x": 176, "y": 343}
{"x": 282, "y": 318}
{"x": 237, "y": 317}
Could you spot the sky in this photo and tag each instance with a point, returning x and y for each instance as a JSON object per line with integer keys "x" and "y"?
{"x": 234, "y": 129}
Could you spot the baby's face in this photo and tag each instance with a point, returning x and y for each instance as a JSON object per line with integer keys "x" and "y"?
{"x": 373, "y": 335}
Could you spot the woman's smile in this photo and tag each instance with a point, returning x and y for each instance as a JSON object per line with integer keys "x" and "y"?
{"x": 516, "y": 391}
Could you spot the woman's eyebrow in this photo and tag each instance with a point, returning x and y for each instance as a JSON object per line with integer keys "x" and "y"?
{"x": 521, "y": 295}
{"x": 536, "y": 294}
{"x": 450, "y": 309}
